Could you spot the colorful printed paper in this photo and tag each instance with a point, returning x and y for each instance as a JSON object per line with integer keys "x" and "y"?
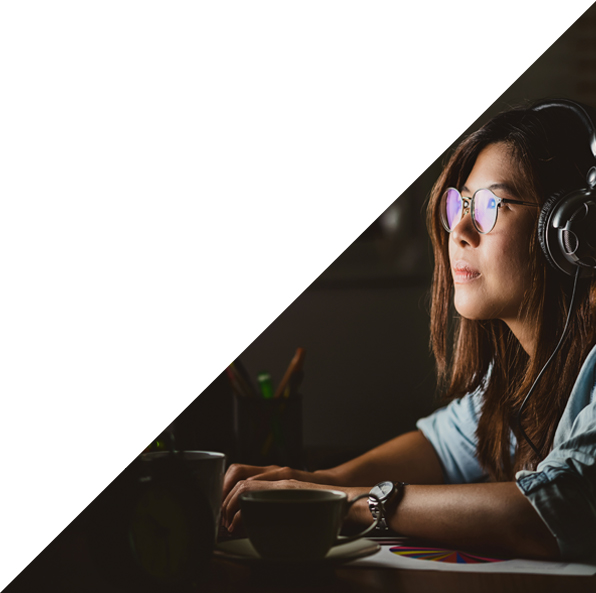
{"x": 440, "y": 555}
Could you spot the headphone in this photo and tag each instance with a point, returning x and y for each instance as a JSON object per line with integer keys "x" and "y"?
{"x": 567, "y": 234}
{"x": 567, "y": 222}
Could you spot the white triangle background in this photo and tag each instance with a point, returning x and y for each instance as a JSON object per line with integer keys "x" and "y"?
{"x": 174, "y": 175}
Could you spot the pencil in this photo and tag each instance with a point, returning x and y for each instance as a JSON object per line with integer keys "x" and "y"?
{"x": 242, "y": 378}
{"x": 244, "y": 374}
{"x": 295, "y": 367}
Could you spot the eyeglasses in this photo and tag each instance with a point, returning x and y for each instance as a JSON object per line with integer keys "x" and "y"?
{"x": 483, "y": 206}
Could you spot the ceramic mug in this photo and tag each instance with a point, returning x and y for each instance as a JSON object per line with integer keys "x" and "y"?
{"x": 297, "y": 524}
{"x": 207, "y": 470}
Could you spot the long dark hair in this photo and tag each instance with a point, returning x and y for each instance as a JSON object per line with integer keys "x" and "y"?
{"x": 551, "y": 154}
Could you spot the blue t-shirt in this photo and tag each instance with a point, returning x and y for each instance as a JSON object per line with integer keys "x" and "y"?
{"x": 563, "y": 487}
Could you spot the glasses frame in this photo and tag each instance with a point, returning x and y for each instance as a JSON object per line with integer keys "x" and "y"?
{"x": 468, "y": 206}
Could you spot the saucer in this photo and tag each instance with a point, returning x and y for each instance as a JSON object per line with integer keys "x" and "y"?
{"x": 242, "y": 550}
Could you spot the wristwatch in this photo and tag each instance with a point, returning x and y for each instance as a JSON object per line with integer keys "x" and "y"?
{"x": 389, "y": 494}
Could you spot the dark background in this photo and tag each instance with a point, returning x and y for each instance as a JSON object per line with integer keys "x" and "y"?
{"x": 364, "y": 322}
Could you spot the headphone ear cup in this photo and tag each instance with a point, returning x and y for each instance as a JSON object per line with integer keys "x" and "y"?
{"x": 567, "y": 231}
{"x": 545, "y": 232}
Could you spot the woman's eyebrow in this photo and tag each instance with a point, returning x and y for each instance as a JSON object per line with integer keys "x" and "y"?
{"x": 503, "y": 185}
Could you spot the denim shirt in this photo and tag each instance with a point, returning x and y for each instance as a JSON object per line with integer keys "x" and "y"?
{"x": 563, "y": 487}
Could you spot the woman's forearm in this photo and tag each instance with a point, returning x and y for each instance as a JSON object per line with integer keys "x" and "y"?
{"x": 407, "y": 458}
{"x": 491, "y": 518}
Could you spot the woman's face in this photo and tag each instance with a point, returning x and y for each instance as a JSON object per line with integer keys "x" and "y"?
{"x": 491, "y": 271}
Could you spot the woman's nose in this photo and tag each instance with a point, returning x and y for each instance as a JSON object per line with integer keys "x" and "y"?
{"x": 465, "y": 232}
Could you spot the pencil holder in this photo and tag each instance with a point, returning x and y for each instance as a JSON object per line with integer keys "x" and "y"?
{"x": 268, "y": 431}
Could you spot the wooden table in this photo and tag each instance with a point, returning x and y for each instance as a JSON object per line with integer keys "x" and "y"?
{"x": 65, "y": 567}
{"x": 223, "y": 576}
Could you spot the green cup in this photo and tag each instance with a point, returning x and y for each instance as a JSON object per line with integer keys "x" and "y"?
{"x": 297, "y": 524}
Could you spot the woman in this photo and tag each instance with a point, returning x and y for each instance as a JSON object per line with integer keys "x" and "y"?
{"x": 509, "y": 465}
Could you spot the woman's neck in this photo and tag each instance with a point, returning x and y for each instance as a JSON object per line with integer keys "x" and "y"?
{"x": 524, "y": 333}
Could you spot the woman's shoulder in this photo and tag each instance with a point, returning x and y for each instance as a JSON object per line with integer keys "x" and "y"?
{"x": 585, "y": 384}
{"x": 580, "y": 413}
{"x": 463, "y": 410}
{"x": 590, "y": 362}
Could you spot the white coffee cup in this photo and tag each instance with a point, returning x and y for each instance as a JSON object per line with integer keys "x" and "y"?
{"x": 297, "y": 524}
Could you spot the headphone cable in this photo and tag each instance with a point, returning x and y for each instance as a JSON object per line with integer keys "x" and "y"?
{"x": 519, "y": 413}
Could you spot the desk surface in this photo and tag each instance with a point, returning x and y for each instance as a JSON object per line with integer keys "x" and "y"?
{"x": 66, "y": 568}
{"x": 225, "y": 576}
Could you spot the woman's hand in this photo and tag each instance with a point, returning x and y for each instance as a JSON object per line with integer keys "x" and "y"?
{"x": 238, "y": 472}
{"x": 242, "y": 478}
{"x": 230, "y": 510}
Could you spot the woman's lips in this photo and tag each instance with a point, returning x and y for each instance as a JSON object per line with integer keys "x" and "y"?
{"x": 463, "y": 272}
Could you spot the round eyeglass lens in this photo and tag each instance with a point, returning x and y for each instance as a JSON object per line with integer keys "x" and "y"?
{"x": 451, "y": 208}
{"x": 485, "y": 210}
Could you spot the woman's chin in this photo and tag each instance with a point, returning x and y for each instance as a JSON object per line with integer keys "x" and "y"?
{"x": 469, "y": 310}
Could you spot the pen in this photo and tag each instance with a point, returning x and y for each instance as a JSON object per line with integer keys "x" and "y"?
{"x": 295, "y": 367}
{"x": 234, "y": 383}
{"x": 264, "y": 380}
{"x": 242, "y": 379}
{"x": 243, "y": 373}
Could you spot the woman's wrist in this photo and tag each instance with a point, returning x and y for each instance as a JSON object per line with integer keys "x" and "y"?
{"x": 359, "y": 512}
{"x": 327, "y": 476}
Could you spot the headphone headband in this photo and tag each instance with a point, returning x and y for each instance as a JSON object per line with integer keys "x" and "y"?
{"x": 567, "y": 222}
{"x": 579, "y": 111}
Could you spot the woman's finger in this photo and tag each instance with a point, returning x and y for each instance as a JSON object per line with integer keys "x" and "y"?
{"x": 236, "y": 522}
{"x": 274, "y": 473}
{"x": 237, "y": 472}
{"x": 231, "y": 504}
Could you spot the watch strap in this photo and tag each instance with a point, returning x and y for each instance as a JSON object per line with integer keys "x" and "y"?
{"x": 387, "y": 506}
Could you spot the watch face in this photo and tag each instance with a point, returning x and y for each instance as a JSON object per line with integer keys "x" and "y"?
{"x": 383, "y": 490}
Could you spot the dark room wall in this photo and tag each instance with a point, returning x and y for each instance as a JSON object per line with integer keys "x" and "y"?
{"x": 364, "y": 322}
